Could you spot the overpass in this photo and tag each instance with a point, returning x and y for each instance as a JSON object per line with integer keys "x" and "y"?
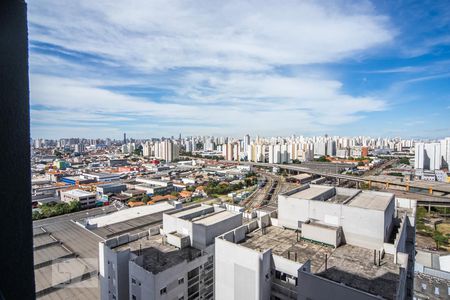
{"x": 385, "y": 182}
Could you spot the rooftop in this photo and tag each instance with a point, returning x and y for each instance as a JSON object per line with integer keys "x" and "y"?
{"x": 347, "y": 264}
{"x": 312, "y": 193}
{"x": 130, "y": 213}
{"x": 187, "y": 212}
{"x": 372, "y": 200}
{"x": 156, "y": 256}
{"x": 351, "y": 197}
{"x": 213, "y": 218}
{"x": 79, "y": 193}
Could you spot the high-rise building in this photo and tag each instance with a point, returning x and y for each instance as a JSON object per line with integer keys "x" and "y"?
{"x": 331, "y": 148}
{"x": 428, "y": 156}
{"x": 79, "y": 148}
{"x": 445, "y": 151}
{"x": 124, "y": 138}
{"x": 246, "y": 142}
{"x": 320, "y": 148}
{"x": 147, "y": 149}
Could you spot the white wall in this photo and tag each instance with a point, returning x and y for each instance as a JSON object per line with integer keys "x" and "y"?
{"x": 116, "y": 270}
{"x": 240, "y": 272}
{"x": 151, "y": 284}
{"x": 362, "y": 227}
{"x": 314, "y": 287}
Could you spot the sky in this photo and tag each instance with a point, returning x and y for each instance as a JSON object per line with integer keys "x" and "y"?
{"x": 154, "y": 68}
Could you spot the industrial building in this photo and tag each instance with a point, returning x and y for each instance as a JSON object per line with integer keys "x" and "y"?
{"x": 172, "y": 262}
{"x": 104, "y": 189}
{"x": 102, "y": 177}
{"x": 325, "y": 243}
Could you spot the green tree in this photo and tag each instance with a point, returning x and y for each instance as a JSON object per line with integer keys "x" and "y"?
{"x": 439, "y": 239}
{"x": 145, "y": 198}
{"x": 36, "y": 215}
{"x": 190, "y": 188}
{"x": 404, "y": 160}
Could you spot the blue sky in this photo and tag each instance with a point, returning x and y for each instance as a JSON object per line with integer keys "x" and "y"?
{"x": 160, "y": 68}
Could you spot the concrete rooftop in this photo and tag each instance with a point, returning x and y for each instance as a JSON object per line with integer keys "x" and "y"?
{"x": 156, "y": 256}
{"x": 347, "y": 264}
{"x": 312, "y": 192}
{"x": 213, "y": 218}
{"x": 129, "y": 213}
{"x": 372, "y": 200}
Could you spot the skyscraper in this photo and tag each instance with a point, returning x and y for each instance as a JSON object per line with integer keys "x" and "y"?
{"x": 124, "y": 138}
{"x": 428, "y": 156}
{"x": 445, "y": 151}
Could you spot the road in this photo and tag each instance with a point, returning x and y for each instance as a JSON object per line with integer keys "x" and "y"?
{"x": 377, "y": 170}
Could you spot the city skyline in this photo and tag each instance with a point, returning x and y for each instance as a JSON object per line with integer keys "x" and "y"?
{"x": 232, "y": 68}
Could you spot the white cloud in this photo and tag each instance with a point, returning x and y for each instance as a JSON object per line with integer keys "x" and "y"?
{"x": 235, "y": 47}
{"x": 235, "y": 102}
{"x": 154, "y": 35}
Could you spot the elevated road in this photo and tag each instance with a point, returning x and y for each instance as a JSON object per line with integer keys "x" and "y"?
{"x": 388, "y": 181}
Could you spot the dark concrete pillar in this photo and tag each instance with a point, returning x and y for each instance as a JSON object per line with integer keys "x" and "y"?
{"x": 16, "y": 237}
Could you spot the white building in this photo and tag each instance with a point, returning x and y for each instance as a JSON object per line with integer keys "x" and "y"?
{"x": 428, "y": 156}
{"x": 166, "y": 150}
{"x": 172, "y": 262}
{"x": 320, "y": 148}
{"x": 312, "y": 251}
{"x": 86, "y": 199}
{"x": 445, "y": 151}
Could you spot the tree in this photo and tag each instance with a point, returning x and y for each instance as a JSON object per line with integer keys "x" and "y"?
{"x": 145, "y": 198}
{"x": 322, "y": 159}
{"x": 404, "y": 160}
{"x": 439, "y": 238}
{"x": 190, "y": 188}
{"x": 360, "y": 164}
{"x": 36, "y": 215}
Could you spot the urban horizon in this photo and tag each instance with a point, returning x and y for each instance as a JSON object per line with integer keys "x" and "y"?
{"x": 176, "y": 136}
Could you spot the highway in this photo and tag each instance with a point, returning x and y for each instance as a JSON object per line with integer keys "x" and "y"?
{"x": 419, "y": 185}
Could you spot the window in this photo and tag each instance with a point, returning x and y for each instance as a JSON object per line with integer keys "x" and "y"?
{"x": 424, "y": 286}
{"x": 163, "y": 291}
{"x": 133, "y": 297}
{"x": 133, "y": 280}
{"x": 180, "y": 280}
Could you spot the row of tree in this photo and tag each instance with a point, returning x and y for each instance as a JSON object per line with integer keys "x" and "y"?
{"x": 55, "y": 209}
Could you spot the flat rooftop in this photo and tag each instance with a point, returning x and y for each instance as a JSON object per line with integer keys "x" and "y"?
{"x": 182, "y": 214}
{"x": 129, "y": 213}
{"x": 351, "y": 197}
{"x": 213, "y": 218}
{"x": 372, "y": 200}
{"x": 155, "y": 257}
{"x": 312, "y": 192}
{"x": 347, "y": 264}
{"x": 79, "y": 193}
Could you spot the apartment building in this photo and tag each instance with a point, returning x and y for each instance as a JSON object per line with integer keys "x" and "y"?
{"x": 175, "y": 261}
